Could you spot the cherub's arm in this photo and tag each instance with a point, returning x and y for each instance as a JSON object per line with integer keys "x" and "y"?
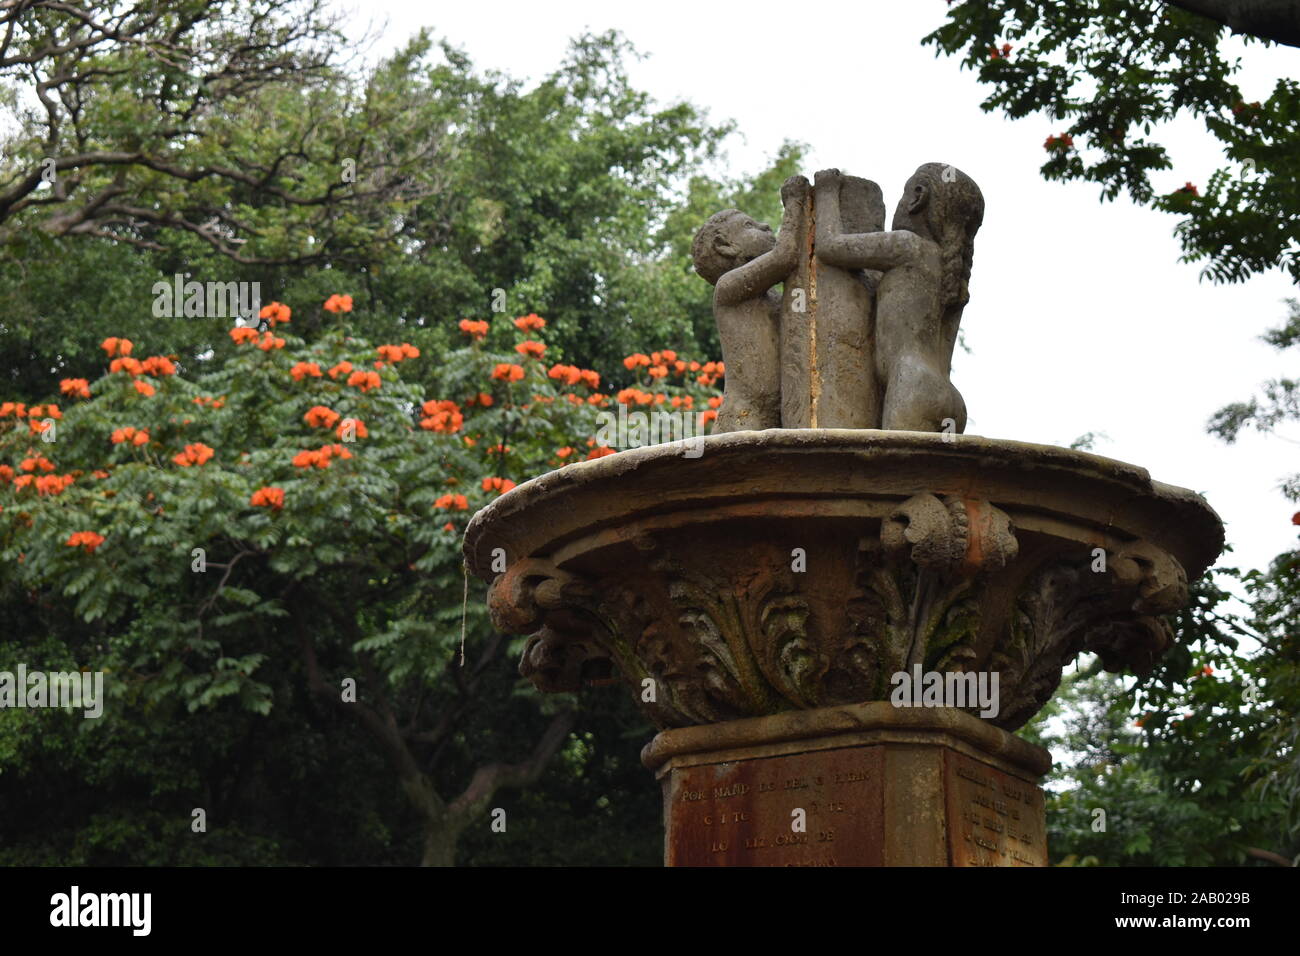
{"x": 757, "y": 276}
{"x": 866, "y": 250}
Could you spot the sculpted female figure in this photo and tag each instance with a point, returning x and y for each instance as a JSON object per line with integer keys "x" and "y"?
{"x": 925, "y": 261}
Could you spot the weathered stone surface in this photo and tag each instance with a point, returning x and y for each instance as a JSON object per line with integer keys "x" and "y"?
{"x": 866, "y": 324}
{"x": 800, "y": 569}
{"x": 864, "y": 785}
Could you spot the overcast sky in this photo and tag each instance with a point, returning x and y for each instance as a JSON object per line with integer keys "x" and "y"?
{"x": 1081, "y": 317}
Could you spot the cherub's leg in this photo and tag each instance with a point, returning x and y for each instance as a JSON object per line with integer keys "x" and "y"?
{"x": 918, "y": 398}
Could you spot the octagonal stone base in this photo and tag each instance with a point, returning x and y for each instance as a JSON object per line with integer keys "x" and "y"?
{"x": 877, "y": 786}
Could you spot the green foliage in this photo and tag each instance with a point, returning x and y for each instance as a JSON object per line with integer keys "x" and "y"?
{"x": 1110, "y": 72}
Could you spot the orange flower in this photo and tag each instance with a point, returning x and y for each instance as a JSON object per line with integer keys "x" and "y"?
{"x": 85, "y": 539}
{"x": 242, "y": 334}
{"x": 338, "y": 303}
{"x": 22, "y": 481}
{"x": 442, "y": 416}
{"x": 77, "y": 387}
{"x": 52, "y": 484}
{"x": 136, "y": 436}
{"x": 321, "y": 456}
{"x": 302, "y": 369}
{"x": 365, "y": 380}
{"x": 502, "y": 485}
{"x": 715, "y": 401}
{"x": 397, "y": 353}
{"x": 159, "y": 365}
{"x": 507, "y": 372}
{"x": 143, "y": 387}
{"x": 706, "y": 417}
{"x": 128, "y": 365}
{"x": 452, "y": 503}
{"x": 482, "y": 398}
{"x": 343, "y": 368}
{"x": 275, "y": 313}
{"x": 270, "y": 341}
{"x": 530, "y": 348}
{"x": 6, "y": 474}
{"x": 13, "y": 408}
{"x": 321, "y": 417}
{"x": 476, "y": 330}
{"x": 115, "y": 346}
{"x": 635, "y": 360}
{"x": 589, "y": 378}
{"x": 359, "y": 429}
{"x": 35, "y": 462}
{"x": 268, "y": 497}
{"x": 532, "y": 322}
{"x": 564, "y": 452}
{"x": 600, "y": 451}
{"x": 570, "y": 374}
{"x": 195, "y": 454}
{"x": 658, "y": 371}
{"x": 499, "y": 450}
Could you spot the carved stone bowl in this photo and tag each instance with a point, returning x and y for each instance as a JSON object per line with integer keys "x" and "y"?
{"x": 796, "y": 569}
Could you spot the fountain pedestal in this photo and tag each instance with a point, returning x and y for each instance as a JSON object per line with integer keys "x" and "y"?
{"x": 760, "y": 593}
{"x": 877, "y": 786}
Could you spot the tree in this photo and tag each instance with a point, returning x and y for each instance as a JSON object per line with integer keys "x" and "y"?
{"x": 135, "y": 120}
{"x": 287, "y": 523}
{"x": 1110, "y": 71}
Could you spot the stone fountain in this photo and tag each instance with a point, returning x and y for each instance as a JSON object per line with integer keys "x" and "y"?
{"x": 839, "y": 607}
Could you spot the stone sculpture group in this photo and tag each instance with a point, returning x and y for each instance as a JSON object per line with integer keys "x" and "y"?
{"x": 862, "y": 335}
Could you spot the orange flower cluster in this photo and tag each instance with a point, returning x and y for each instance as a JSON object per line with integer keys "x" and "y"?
{"x": 321, "y": 456}
{"x": 1064, "y": 141}
{"x": 396, "y": 353}
{"x": 159, "y": 365}
{"x": 634, "y": 396}
{"x": 52, "y": 484}
{"x": 715, "y": 401}
{"x": 343, "y": 368}
{"x": 195, "y": 454}
{"x": 530, "y": 348}
{"x": 36, "y": 462}
{"x": 452, "y": 503}
{"x": 269, "y": 497}
{"x": 210, "y": 401}
{"x": 442, "y": 416}
{"x": 711, "y": 372}
{"x": 144, "y": 388}
{"x": 302, "y": 369}
{"x": 275, "y": 313}
{"x": 475, "y": 330}
{"x": 572, "y": 375}
{"x": 17, "y": 409}
{"x": 76, "y": 387}
{"x": 136, "y": 436}
{"x": 338, "y": 303}
{"x": 687, "y": 401}
{"x": 270, "y": 341}
{"x": 365, "y": 380}
{"x": 482, "y": 398}
{"x": 532, "y": 322}
{"x": 499, "y": 450}
{"x": 242, "y": 334}
{"x": 996, "y": 54}
{"x": 321, "y": 417}
{"x": 709, "y": 416}
{"x": 507, "y": 372}
{"x": 85, "y": 539}
{"x": 600, "y": 451}
{"x": 563, "y": 453}
{"x": 115, "y": 346}
{"x": 124, "y": 364}
{"x": 502, "y": 485}
{"x": 359, "y": 429}
{"x": 6, "y": 474}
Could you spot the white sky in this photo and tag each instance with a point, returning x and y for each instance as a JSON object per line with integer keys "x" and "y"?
{"x": 1081, "y": 317}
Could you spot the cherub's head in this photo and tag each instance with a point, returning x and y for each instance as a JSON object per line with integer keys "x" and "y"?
{"x": 942, "y": 203}
{"x": 728, "y": 240}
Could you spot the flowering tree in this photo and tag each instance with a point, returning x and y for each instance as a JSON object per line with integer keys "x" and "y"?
{"x": 284, "y": 512}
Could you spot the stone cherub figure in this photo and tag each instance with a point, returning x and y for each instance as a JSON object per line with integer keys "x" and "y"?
{"x": 745, "y": 261}
{"x": 925, "y": 261}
